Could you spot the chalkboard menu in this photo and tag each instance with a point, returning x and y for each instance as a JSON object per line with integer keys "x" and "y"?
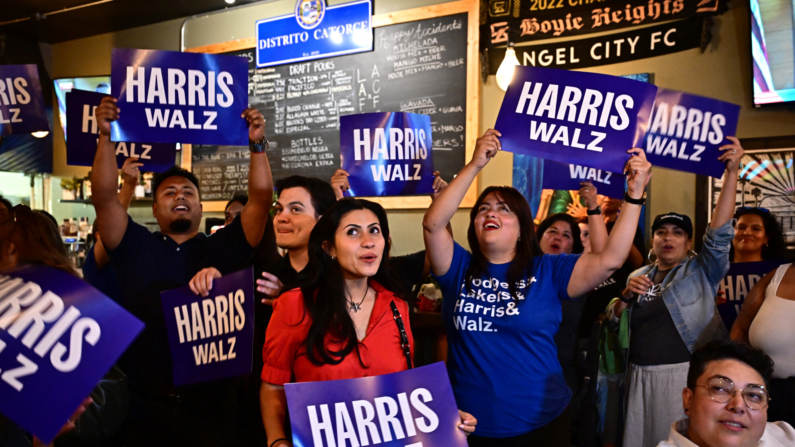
{"x": 418, "y": 67}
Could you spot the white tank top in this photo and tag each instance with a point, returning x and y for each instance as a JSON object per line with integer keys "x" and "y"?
{"x": 772, "y": 330}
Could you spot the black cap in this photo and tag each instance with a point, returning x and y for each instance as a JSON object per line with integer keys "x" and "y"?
{"x": 680, "y": 220}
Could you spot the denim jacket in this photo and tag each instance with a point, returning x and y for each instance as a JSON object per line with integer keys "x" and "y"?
{"x": 690, "y": 288}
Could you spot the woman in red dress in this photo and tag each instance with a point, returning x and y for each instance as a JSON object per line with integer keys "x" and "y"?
{"x": 340, "y": 324}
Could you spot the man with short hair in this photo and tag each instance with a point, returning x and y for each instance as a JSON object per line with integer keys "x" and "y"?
{"x": 726, "y": 400}
{"x": 147, "y": 263}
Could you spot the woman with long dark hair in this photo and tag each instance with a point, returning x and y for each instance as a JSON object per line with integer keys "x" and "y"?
{"x": 757, "y": 236}
{"x": 502, "y": 307}
{"x": 341, "y": 323}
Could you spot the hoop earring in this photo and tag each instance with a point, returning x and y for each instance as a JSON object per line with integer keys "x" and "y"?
{"x": 651, "y": 252}
{"x": 691, "y": 253}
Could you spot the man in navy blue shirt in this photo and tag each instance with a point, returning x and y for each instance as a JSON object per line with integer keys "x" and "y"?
{"x": 149, "y": 263}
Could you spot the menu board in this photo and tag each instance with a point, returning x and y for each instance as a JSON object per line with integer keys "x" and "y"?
{"x": 418, "y": 67}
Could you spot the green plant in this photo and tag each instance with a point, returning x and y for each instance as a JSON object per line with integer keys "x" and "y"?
{"x": 70, "y": 184}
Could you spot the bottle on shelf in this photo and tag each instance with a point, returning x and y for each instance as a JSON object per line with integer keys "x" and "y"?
{"x": 73, "y": 227}
{"x": 65, "y": 227}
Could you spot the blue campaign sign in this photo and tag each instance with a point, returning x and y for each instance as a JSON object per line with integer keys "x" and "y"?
{"x": 21, "y": 101}
{"x": 58, "y": 337}
{"x": 172, "y": 97}
{"x": 738, "y": 282}
{"x": 82, "y": 134}
{"x": 211, "y": 338}
{"x": 568, "y": 176}
{"x": 315, "y": 31}
{"x": 387, "y": 153}
{"x": 686, "y": 131}
{"x": 574, "y": 117}
{"x": 404, "y": 409}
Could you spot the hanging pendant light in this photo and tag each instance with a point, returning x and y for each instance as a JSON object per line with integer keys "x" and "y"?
{"x": 505, "y": 72}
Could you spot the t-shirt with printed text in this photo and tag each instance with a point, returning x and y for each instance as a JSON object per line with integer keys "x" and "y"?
{"x": 502, "y": 358}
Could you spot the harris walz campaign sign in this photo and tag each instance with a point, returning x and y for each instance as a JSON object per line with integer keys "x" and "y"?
{"x": 686, "y": 131}
{"x": 387, "y": 153}
{"x": 21, "y": 100}
{"x": 574, "y": 117}
{"x": 211, "y": 338}
{"x": 173, "y": 97}
{"x": 569, "y": 176}
{"x": 82, "y": 133}
{"x": 738, "y": 282}
{"x": 58, "y": 337}
{"x": 414, "y": 408}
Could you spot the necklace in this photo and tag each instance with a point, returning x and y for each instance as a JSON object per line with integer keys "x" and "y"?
{"x": 356, "y": 306}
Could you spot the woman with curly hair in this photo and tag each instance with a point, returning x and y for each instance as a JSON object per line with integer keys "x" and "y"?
{"x": 757, "y": 237}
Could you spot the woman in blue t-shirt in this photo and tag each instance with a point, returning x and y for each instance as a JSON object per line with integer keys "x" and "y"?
{"x": 502, "y": 305}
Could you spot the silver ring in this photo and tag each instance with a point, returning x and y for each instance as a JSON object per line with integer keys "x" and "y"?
{"x": 587, "y": 189}
{"x": 734, "y": 151}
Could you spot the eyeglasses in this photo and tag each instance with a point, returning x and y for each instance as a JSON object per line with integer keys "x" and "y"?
{"x": 722, "y": 391}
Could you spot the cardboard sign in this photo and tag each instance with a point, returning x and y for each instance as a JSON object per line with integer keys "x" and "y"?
{"x": 686, "y": 131}
{"x": 568, "y": 177}
{"x": 82, "y": 134}
{"x": 58, "y": 337}
{"x": 211, "y": 338}
{"x": 172, "y": 97}
{"x": 574, "y": 117}
{"x": 314, "y": 31}
{"x": 404, "y": 409}
{"x": 738, "y": 282}
{"x": 387, "y": 154}
{"x": 21, "y": 101}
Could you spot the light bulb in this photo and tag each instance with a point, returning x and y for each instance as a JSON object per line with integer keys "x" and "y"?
{"x": 505, "y": 72}
{"x": 230, "y": 2}
{"x": 41, "y": 133}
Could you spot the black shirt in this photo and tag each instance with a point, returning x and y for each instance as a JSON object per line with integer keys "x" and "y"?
{"x": 596, "y": 301}
{"x": 654, "y": 339}
{"x": 408, "y": 271}
{"x": 150, "y": 263}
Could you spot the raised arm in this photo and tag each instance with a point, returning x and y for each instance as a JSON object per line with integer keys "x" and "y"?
{"x": 724, "y": 209}
{"x": 439, "y": 243}
{"x": 130, "y": 175}
{"x": 596, "y": 223}
{"x": 753, "y": 302}
{"x": 593, "y": 268}
{"x": 260, "y": 182}
{"x": 111, "y": 214}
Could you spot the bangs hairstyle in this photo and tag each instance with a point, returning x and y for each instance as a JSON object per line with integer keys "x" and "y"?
{"x": 36, "y": 239}
{"x": 526, "y": 247}
{"x": 577, "y": 247}
{"x": 321, "y": 192}
{"x": 776, "y": 247}
{"x": 324, "y": 293}
{"x": 174, "y": 171}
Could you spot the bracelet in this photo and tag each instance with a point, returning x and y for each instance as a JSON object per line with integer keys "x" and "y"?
{"x": 258, "y": 147}
{"x": 621, "y": 297}
{"x": 594, "y": 212}
{"x": 629, "y": 199}
{"x": 280, "y": 439}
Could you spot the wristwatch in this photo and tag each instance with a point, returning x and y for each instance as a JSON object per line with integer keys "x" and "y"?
{"x": 594, "y": 212}
{"x": 641, "y": 201}
{"x": 258, "y": 147}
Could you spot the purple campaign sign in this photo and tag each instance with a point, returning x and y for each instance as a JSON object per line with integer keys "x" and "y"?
{"x": 568, "y": 177}
{"x": 211, "y": 338}
{"x": 574, "y": 117}
{"x": 21, "y": 101}
{"x": 413, "y": 408}
{"x": 58, "y": 337}
{"x": 738, "y": 282}
{"x": 387, "y": 154}
{"x": 686, "y": 131}
{"x": 82, "y": 134}
{"x": 172, "y": 97}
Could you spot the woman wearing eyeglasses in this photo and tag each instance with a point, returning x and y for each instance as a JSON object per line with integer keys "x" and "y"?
{"x": 670, "y": 310}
